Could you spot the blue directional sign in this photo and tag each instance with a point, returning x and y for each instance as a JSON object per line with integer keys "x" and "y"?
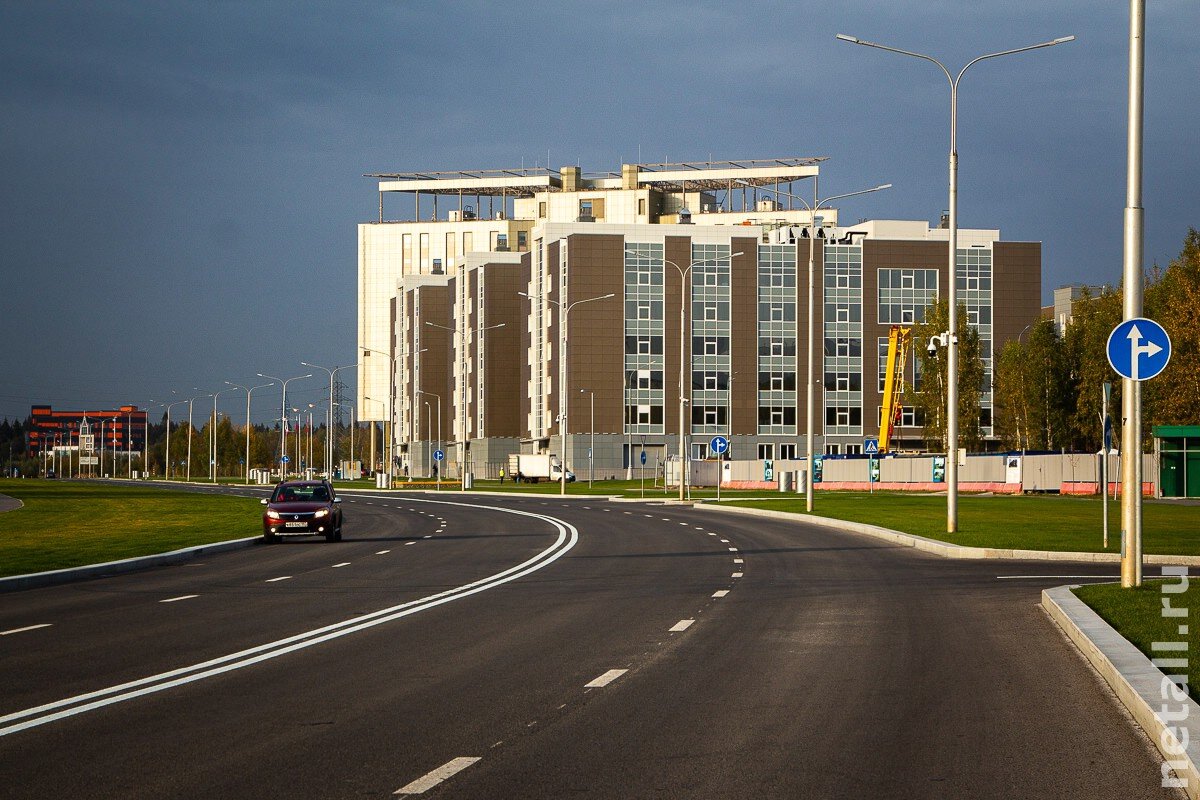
{"x": 1139, "y": 349}
{"x": 285, "y": 459}
{"x": 871, "y": 446}
{"x": 643, "y": 458}
{"x": 719, "y": 445}
{"x": 438, "y": 455}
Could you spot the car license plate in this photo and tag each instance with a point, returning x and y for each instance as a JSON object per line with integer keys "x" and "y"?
{"x": 295, "y": 524}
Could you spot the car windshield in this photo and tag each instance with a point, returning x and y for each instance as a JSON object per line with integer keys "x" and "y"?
{"x": 301, "y": 494}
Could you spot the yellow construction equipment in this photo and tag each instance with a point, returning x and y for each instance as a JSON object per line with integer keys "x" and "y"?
{"x": 899, "y": 341}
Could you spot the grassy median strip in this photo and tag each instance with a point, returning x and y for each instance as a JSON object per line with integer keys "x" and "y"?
{"x": 1137, "y": 614}
{"x": 72, "y": 524}
{"x": 1038, "y": 522}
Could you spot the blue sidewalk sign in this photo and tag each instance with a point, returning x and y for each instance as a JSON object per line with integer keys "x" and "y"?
{"x": 438, "y": 455}
{"x": 871, "y": 446}
{"x": 643, "y": 458}
{"x": 719, "y": 445}
{"x": 1139, "y": 349}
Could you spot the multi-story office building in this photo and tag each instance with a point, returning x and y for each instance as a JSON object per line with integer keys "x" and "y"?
{"x": 704, "y": 265}
{"x": 123, "y": 429}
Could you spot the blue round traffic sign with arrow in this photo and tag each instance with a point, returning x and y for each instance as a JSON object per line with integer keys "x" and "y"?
{"x": 438, "y": 455}
{"x": 1139, "y": 349}
{"x": 719, "y": 445}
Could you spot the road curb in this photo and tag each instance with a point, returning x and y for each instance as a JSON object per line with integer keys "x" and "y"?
{"x": 58, "y": 576}
{"x": 948, "y": 550}
{"x": 9, "y": 503}
{"x": 1138, "y": 684}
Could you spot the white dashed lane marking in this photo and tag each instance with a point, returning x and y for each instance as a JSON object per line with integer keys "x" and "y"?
{"x": 26, "y": 628}
{"x": 383, "y": 552}
{"x": 343, "y": 564}
{"x": 605, "y": 679}
{"x": 682, "y": 625}
{"x": 282, "y": 578}
{"x": 409, "y": 544}
{"x": 739, "y": 561}
{"x": 720, "y": 593}
{"x": 736, "y": 575}
{"x": 447, "y": 770}
{"x": 733, "y": 549}
{"x": 177, "y": 599}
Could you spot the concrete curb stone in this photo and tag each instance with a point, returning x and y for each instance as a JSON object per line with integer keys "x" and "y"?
{"x": 946, "y": 549}
{"x": 1136, "y": 681}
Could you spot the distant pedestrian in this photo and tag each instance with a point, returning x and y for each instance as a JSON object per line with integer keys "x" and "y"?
{"x": 518, "y": 477}
{"x": 502, "y": 474}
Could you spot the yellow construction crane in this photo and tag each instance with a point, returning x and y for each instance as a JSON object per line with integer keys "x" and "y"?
{"x": 899, "y": 341}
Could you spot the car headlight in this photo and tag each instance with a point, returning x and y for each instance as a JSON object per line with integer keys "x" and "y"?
{"x": 272, "y": 513}
{"x": 321, "y": 512}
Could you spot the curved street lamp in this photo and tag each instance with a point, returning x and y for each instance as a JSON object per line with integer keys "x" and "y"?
{"x": 952, "y": 294}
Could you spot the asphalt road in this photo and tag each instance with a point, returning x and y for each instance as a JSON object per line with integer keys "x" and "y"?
{"x": 449, "y": 637}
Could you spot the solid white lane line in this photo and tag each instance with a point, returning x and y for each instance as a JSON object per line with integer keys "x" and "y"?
{"x": 720, "y": 593}
{"x": 382, "y": 552}
{"x": 177, "y": 599}
{"x": 736, "y": 575}
{"x": 283, "y": 578}
{"x": 447, "y": 770}
{"x": 682, "y": 625}
{"x": 605, "y": 679}
{"x": 343, "y": 564}
{"x": 568, "y": 537}
{"x": 26, "y": 628}
{"x": 1034, "y": 577}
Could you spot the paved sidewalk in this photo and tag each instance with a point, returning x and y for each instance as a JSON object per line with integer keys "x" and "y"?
{"x": 9, "y": 503}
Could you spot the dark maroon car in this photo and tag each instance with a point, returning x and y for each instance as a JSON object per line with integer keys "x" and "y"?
{"x": 302, "y": 508}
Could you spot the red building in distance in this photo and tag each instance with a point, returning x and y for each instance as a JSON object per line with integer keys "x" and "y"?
{"x": 124, "y": 429}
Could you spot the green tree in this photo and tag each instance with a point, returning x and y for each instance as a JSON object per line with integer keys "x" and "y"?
{"x": 1173, "y": 300}
{"x": 931, "y": 400}
{"x": 1085, "y": 344}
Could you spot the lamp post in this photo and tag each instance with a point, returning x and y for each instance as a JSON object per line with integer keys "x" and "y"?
{"x": 189, "y": 447}
{"x": 462, "y": 394}
{"x": 328, "y": 437}
{"x": 212, "y": 433}
{"x": 391, "y": 406}
{"x": 952, "y": 294}
{"x": 810, "y": 390}
{"x": 439, "y": 427}
{"x": 167, "y": 467}
{"x": 282, "y": 418}
{"x": 353, "y": 424}
{"x": 564, "y": 313}
{"x": 591, "y": 434}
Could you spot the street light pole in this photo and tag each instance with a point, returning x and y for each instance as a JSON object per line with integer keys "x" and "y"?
{"x": 1131, "y": 390}
{"x": 328, "y": 434}
{"x": 188, "y": 477}
{"x": 283, "y": 418}
{"x": 591, "y": 434}
{"x": 564, "y": 313}
{"x": 810, "y": 390}
{"x": 167, "y": 470}
{"x": 952, "y": 294}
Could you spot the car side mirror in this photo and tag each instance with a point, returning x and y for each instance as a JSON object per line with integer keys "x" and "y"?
{"x": 337, "y": 499}
{"x": 263, "y": 501}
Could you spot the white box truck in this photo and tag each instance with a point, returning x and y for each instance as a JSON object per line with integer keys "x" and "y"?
{"x": 533, "y": 467}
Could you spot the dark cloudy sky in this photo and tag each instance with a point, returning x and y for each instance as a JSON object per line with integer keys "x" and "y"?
{"x": 180, "y": 182}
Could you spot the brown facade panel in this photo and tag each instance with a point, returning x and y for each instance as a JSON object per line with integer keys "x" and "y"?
{"x": 503, "y": 375}
{"x": 596, "y": 342}
{"x": 743, "y": 335}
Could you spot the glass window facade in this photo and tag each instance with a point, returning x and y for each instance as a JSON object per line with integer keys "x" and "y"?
{"x": 644, "y": 338}
{"x": 843, "y": 335}
{"x": 710, "y": 280}
{"x": 777, "y": 339}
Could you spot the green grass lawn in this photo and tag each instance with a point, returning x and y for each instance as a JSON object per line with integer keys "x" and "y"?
{"x": 70, "y": 523}
{"x": 1137, "y": 615}
{"x": 1035, "y": 522}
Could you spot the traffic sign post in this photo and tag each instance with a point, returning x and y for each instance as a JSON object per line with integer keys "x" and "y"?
{"x": 719, "y": 445}
{"x": 439, "y": 456}
{"x": 1138, "y": 350}
{"x": 871, "y": 447}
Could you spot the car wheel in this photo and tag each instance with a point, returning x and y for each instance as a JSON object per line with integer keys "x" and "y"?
{"x": 269, "y": 538}
{"x": 334, "y": 535}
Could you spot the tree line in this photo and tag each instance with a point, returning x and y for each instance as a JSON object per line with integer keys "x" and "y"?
{"x": 1047, "y": 386}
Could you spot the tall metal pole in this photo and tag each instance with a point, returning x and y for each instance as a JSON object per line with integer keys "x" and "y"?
{"x": 810, "y": 390}
{"x": 167, "y": 468}
{"x": 683, "y": 293}
{"x": 1131, "y": 390}
{"x": 952, "y": 293}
